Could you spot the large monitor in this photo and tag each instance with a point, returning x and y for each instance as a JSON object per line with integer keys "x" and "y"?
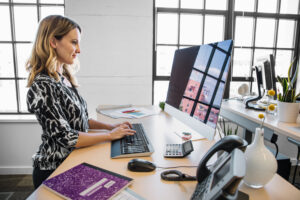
{"x": 268, "y": 76}
{"x": 197, "y": 85}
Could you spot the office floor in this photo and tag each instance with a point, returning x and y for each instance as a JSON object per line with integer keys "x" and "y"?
{"x": 15, "y": 187}
{"x": 19, "y": 187}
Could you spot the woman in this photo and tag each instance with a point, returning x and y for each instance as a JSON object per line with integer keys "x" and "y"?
{"x": 54, "y": 99}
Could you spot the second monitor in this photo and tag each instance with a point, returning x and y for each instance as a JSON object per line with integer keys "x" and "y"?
{"x": 197, "y": 85}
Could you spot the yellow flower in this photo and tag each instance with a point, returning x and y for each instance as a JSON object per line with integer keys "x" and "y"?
{"x": 271, "y": 93}
{"x": 271, "y": 107}
{"x": 261, "y": 116}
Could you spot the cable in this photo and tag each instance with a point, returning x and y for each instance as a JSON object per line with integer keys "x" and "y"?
{"x": 175, "y": 167}
{"x": 276, "y": 146}
{"x": 175, "y": 175}
{"x": 273, "y": 141}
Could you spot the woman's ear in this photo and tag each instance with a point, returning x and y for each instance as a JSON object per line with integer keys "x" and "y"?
{"x": 53, "y": 43}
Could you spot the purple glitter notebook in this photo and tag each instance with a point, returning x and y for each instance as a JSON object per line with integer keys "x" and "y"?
{"x": 86, "y": 181}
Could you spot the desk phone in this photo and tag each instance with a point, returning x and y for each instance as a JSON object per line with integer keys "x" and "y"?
{"x": 221, "y": 180}
{"x": 178, "y": 150}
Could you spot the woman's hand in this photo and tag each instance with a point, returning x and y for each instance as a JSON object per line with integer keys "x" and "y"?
{"x": 119, "y": 124}
{"x": 121, "y": 130}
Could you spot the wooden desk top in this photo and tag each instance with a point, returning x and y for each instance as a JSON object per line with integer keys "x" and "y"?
{"x": 238, "y": 108}
{"x": 160, "y": 129}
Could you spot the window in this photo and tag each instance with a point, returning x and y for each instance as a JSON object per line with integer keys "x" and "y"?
{"x": 264, "y": 27}
{"x": 258, "y": 28}
{"x": 181, "y": 24}
{"x": 19, "y": 22}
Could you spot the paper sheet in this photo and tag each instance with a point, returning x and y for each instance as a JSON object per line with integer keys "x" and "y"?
{"x": 129, "y": 112}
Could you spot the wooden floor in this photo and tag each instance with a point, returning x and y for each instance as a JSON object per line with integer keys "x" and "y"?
{"x": 19, "y": 187}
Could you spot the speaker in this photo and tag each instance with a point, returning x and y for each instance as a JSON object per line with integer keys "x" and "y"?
{"x": 243, "y": 90}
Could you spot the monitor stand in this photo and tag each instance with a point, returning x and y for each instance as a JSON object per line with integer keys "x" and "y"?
{"x": 249, "y": 104}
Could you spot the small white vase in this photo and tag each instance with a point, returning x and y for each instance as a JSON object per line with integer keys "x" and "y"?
{"x": 288, "y": 112}
{"x": 261, "y": 164}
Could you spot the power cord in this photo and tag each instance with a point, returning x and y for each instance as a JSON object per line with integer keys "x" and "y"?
{"x": 175, "y": 175}
{"x": 176, "y": 167}
{"x": 273, "y": 141}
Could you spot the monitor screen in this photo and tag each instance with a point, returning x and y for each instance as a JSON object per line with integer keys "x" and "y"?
{"x": 268, "y": 75}
{"x": 197, "y": 85}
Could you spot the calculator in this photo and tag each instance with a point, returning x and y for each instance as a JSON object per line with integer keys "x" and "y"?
{"x": 179, "y": 150}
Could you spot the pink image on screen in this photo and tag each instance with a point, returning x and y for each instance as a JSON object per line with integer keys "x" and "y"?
{"x": 213, "y": 117}
{"x": 186, "y": 105}
{"x": 207, "y": 90}
{"x": 191, "y": 89}
{"x": 193, "y": 85}
{"x": 200, "y": 111}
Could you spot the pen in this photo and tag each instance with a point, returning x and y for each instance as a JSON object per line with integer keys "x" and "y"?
{"x": 128, "y": 111}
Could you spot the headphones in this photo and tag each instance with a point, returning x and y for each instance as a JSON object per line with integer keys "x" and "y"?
{"x": 175, "y": 175}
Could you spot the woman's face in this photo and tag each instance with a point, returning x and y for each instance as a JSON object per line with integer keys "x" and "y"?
{"x": 68, "y": 47}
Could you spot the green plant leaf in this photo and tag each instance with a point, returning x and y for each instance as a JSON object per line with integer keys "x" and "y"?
{"x": 229, "y": 130}
{"x": 289, "y": 71}
{"x": 236, "y": 130}
{"x": 279, "y": 97}
{"x": 280, "y": 80}
{"x": 224, "y": 127}
{"x": 288, "y": 91}
{"x": 288, "y": 97}
{"x": 284, "y": 86}
{"x": 162, "y": 105}
{"x": 295, "y": 76}
{"x": 295, "y": 98}
{"x": 293, "y": 95}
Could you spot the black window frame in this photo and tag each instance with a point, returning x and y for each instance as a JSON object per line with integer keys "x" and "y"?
{"x": 230, "y": 18}
{"x": 16, "y": 78}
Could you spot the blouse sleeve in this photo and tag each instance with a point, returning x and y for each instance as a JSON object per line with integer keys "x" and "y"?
{"x": 43, "y": 100}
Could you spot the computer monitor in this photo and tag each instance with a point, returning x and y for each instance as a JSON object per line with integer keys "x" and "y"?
{"x": 268, "y": 75}
{"x": 197, "y": 85}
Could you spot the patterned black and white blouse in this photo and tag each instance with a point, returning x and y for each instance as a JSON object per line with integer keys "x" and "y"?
{"x": 61, "y": 112}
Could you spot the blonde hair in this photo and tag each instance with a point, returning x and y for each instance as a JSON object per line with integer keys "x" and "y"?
{"x": 43, "y": 57}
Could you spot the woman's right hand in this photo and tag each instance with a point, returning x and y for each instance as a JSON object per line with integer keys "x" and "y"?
{"x": 121, "y": 131}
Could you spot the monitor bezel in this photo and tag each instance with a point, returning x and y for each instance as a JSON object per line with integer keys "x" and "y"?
{"x": 208, "y": 131}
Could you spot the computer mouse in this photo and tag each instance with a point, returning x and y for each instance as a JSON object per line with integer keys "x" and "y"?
{"x": 140, "y": 165}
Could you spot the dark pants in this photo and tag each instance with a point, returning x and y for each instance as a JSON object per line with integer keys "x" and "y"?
{"x": 38, "y": 176}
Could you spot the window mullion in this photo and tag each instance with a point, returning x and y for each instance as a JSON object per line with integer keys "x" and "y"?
{"x": 13, "y": 36}
{"x": 276, "y": 29}
{"x": 203, "y": 20}
{"x": 178, "y": 27}
{"x": 229, "y": 25}
{"x": 38, "y": 10}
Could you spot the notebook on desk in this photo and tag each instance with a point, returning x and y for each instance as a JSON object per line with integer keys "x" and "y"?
{"x": 133, "y": 145}
{"x": 86, "y": 181}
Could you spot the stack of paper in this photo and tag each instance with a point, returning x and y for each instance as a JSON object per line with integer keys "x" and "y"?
{"x": 129, "y": 112}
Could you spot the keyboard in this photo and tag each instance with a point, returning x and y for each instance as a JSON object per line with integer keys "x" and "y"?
{"x": 201, "y": 189}
{"x": 132, "y": 145}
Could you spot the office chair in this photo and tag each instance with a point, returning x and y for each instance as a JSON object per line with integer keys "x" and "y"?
{"x": 297, "y": 162}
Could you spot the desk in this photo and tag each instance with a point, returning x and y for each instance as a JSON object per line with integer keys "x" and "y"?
{"x": 160, "y": 129}
{"x": 235, "y": 111}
